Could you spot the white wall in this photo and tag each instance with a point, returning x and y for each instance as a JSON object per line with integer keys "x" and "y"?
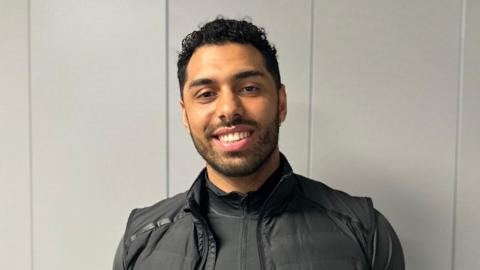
{"x": 15, "y": 185}
{"x": 98, "y": 124}
{"x": 467, "y": 235}
{"x": 385, "y": 111}
{"x": 383, "y": 101}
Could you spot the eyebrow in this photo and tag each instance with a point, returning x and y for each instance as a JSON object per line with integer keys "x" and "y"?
{"x": 236, "y": 77}
{"x": 200, "y": 82}
{"x": 247, "y": 74}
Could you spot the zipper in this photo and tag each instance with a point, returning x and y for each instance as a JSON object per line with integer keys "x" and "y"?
{"x": 259, "y": 224}
{"x": 243, "y": 245}
{"x": 150, "y": 227}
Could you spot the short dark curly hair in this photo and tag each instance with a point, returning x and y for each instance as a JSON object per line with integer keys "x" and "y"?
{"x": 221, "y": 31}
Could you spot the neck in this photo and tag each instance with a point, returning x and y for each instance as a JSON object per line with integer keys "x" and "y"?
{"x": 245, "y": 184}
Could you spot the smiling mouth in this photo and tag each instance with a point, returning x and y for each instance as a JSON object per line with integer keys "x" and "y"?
{"x": 233, "y": 137}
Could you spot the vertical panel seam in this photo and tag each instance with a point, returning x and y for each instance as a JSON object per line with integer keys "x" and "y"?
{"x": 310, "y": 100}
{"x": 30, "y": 136}
{"x": 458, "y": 127}
{"x": 167, "y": 101}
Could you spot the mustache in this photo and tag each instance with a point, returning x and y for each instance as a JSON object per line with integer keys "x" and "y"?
{"x": 229, "y": 123}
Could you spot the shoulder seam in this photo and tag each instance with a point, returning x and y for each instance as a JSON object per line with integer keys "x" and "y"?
{"x": 332, "y": 210}
{"x": 358, "y": 209}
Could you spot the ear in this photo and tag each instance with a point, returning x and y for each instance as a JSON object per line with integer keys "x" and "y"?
{"x": 282, "y": 103}
{"x": 184, "y": 116}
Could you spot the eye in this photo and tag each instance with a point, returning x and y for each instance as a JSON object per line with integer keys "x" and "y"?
{"x": 250, "y": 89}
{"x": 206, "y": 95}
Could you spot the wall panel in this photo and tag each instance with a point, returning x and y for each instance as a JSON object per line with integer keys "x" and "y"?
{"x": 288, "y": 27}
{"x": 99, "y": 125}
{"x": 467, "y": 236}
{"x": 384, "y": 113}
{"x": 15, "y": 242}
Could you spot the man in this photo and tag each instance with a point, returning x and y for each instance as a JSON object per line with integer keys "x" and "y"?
{"x": 247, "y": 209}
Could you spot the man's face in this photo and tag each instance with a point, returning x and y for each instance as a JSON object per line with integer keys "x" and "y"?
{"x": 232, "y": 108}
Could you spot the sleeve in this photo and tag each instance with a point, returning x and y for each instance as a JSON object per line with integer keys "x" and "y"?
{"x": 387, "y": 250}
{"x": 118, "y": 260}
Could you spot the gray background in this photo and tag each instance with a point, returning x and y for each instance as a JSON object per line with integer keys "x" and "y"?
{"x": 383, "y": 101}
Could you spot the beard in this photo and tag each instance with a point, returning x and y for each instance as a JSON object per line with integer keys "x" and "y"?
{"x": 241, "y": 163}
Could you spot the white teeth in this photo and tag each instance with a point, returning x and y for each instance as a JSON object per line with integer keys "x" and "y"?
{"x": 233, "y": 137}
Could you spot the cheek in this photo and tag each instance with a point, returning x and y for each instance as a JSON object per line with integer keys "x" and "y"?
{"x": 198, "y": 120}
{"x": 265, "y": 111}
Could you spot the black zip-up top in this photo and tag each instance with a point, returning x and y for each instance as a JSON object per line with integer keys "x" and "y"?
{"x": 301, "y": 224}
{"x": 233, "y": 218}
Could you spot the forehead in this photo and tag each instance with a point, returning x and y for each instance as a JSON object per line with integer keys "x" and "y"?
{"x": 211, "y": 60}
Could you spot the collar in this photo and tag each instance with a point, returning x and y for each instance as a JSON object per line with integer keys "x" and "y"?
{"x": 237, "y": 204}
{"x": 274, "y": 202}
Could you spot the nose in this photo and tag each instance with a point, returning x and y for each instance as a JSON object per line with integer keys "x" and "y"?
{"x": 229, "y": 105}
